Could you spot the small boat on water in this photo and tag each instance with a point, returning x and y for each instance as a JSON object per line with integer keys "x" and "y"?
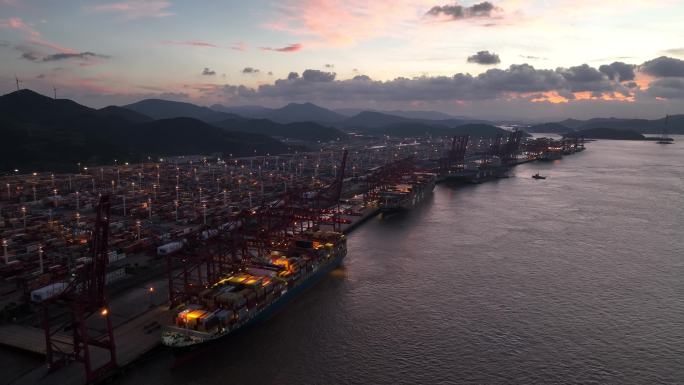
{"x": 537, "y": 176}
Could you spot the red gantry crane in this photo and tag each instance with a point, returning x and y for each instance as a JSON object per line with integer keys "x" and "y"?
{"x": 86, "y": 300}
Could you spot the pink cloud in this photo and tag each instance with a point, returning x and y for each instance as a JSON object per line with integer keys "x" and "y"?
{"x": 18, "y": 24}
{"x": 341, "y": 24}
{"x": 335, "y": 24}
{"x": 192, "y": 43}
{"x": 240, "y": 46}
{"x": 290, "y": 48}
{"x": 56, "y": 47}
{"x": 134, "y": 9}
{"x": 32, "y": 34}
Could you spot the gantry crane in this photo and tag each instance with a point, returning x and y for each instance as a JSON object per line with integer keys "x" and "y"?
{"x": 86, "y": 301}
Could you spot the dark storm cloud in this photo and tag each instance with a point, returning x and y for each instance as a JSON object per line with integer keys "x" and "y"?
{"x": 79, "y": 55}
{"x": 318, "y": 76}
{"x": 618, "y": 71}
{"x": 29, "y": 53}
{"x": 36, "y": 56}
{"x": 517, "y": 82}
{"x": 669, "y": 88}
{"x": 457, "y": 12}
{"x": 250, "y": 70}
{"x": 521, "y": 78}
{"x": 4, "y": 43}
{"x": 664, "y": 67}
{"x": 518, "y": 78}
{"x": 32, "y": 56}
{"x": 586, "y": 78}
{"x": 208, "y": 72}
{"x": 484, "y": 57}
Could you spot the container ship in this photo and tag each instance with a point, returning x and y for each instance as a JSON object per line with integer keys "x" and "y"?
{"x": 254, "y": 292}
{"x": 551, "y": 155}
{"x": 405, "y": 195}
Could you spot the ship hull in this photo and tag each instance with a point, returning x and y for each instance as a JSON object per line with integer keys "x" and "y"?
{"x": 475, "y": 176}
{"x": 550, "y": 156}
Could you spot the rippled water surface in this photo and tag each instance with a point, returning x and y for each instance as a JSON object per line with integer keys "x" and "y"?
{"x": 575, "y": 279}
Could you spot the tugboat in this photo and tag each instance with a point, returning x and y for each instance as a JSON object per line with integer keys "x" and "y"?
{"x": 537, "y": 176}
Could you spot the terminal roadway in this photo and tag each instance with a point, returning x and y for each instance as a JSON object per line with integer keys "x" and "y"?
{"x": 137, "y": 316}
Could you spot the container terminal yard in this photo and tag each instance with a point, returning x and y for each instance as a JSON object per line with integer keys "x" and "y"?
{"x": 102, "y": 265}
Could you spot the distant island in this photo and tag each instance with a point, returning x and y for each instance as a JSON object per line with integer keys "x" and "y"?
{"x": 606, "y": 133}
{"x": 674, "y": 124}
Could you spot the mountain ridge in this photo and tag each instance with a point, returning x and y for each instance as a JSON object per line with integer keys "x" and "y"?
{"x": 41, "y": 133}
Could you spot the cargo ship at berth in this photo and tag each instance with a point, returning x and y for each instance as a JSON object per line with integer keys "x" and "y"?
{"x": 551, "y": 155}
{"x": 255, "y": 292}
{"x": 406, "y": 194}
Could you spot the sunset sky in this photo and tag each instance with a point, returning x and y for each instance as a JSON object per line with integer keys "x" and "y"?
{"x": 498, "y": 59}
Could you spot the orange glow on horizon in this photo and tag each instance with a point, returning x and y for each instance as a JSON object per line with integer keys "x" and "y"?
{"x": 550, "y": 97}
{"x": 555, "y": 98}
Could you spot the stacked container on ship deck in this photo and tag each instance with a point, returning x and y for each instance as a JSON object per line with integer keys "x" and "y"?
{"x": 250, "y": 296}
{"x": 225, "y": 317}
{"x": 195, "y": 319}
{"x": 227, "y": 298}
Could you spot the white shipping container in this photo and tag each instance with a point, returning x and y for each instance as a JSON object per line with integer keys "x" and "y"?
{"x": 40, "y": 295}
{"x": 230, "y": 226}
{"x": 169, "y": 248}
{"x": 83, "y": 260}
{"x": 309, "y": 194}
{"x": 115, "y": 275}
